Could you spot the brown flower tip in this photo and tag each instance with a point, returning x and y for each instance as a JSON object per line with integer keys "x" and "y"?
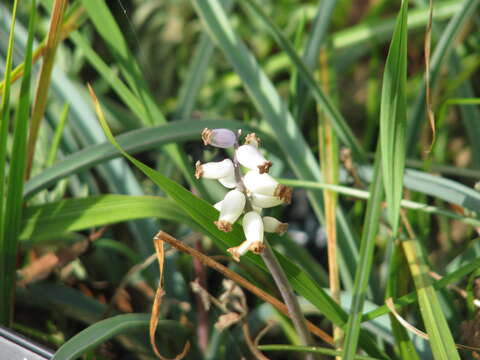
{"x": 198, "y": 170}
{"x": 281, "y": 228}
{"x": 223, "y": 225}
{"x": 252, "y": 139}
{"x": 284, "y": 193}
{"x": 206, "y": 136}
{"x": 264, "y": 167}
{"x": 235, "y": 253}
{"x": 257, "y": 247}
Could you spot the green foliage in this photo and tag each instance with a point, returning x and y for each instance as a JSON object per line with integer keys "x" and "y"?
{"x": 164, "y": 71}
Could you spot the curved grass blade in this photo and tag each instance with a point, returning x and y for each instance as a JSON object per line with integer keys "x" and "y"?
{"x": 204, "y": 214}
{"x": 68, "y": 215}
{"x": 341, "y": 127}
{"x": 133, "y": 142}
{"x": 393, "y": 117}
{"x": 106, "y": 329}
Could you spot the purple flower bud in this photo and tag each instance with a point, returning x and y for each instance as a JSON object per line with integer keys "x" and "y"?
{"x": 221, "y": 138}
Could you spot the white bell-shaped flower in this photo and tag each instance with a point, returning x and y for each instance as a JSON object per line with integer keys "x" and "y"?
{"x": 232, "y": 208}
{"x": 250, "y": 157}
{"x": 218, "y": 205}
{"x": 266, "y": 185}
{"x": 272, "y": 225}
{"x": 229, "y": 181}
{"x": 265, "y": 201}
{"x": 253, "y": 229}
{"x": 214, "y": 170}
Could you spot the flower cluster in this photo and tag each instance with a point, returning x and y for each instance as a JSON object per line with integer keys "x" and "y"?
{"x": 250, "y": 192}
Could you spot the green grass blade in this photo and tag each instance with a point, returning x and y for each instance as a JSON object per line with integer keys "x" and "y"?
{"x": 362, "y": 194}
{"x": 196, "y": 72}
{"x": 393, "y": 117}
{"x": 134, "y": 142}
{"x": 280, "y": 121}
{"x": 441, "y": 340}
{"x": 204, "y": 215}
{"x": 462, "y": 16}
{"x": 367, "y": 245}
{"x": 316, "y": 39}
{"x": 6, "y": 272}
{"x": 104, "y": 330}
{"x": 57, "y": 137}
{"x": 341, "y": 127}
{"x": 68, "y": 215}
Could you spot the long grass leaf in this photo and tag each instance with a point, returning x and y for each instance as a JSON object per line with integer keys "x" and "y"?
{"x": 341, "y": 127}
{"x": 5, "y": 263}
{"x": 393, "y": 117}
{"x": 367, "y": 245}
{"x": 44, "y": 79}
{"x": 44, "y": 222}
{"x": 441, "y": 340}
{"x": 106, "y": 329}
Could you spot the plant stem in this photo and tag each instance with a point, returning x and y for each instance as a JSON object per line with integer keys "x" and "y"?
{"x": 277, "y": 272}
{"x": 288, "y": 296}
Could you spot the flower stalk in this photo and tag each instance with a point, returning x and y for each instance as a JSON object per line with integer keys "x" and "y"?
{"x": 254, "y": 191}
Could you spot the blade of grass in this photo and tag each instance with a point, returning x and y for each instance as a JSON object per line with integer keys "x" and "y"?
{"x": 45, "y": 222}
{"x": 134, "y": 142}
{"x": 53, "y": 39}
{"x": 17, "y": 169}
{"x": 362, "y": 194}
{"x": 104, "y": 330}
{"x": 329, "y": 159}
{"x": 393, "y": 117}
{"x": 5, "y": 261}
{"x": 313, "y": 349}
{"x": 441, "y": 340}
{"x": 57, "y": 137}
{"x": 367, "y": 246}
{"x": 316, "y": 39}
{"x": 341, "y": 127}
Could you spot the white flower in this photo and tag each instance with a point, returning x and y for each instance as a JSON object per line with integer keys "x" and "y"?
{"x": 253, "y": 229}
{"x": 272, "y": 225}
{"x": 232, "y": 208}
{"x": 265, "y": 201}
{"x": 221, "y": 138}
{"x": 266, "y": 185}
{"x": 250, "y": 157}
{"x": 218, "y": 205}
{"x": 229, "y": 181}
{"x": 214, "y": 170}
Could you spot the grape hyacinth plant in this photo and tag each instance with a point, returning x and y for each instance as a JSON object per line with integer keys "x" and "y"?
{"x": 250, "y": 193}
